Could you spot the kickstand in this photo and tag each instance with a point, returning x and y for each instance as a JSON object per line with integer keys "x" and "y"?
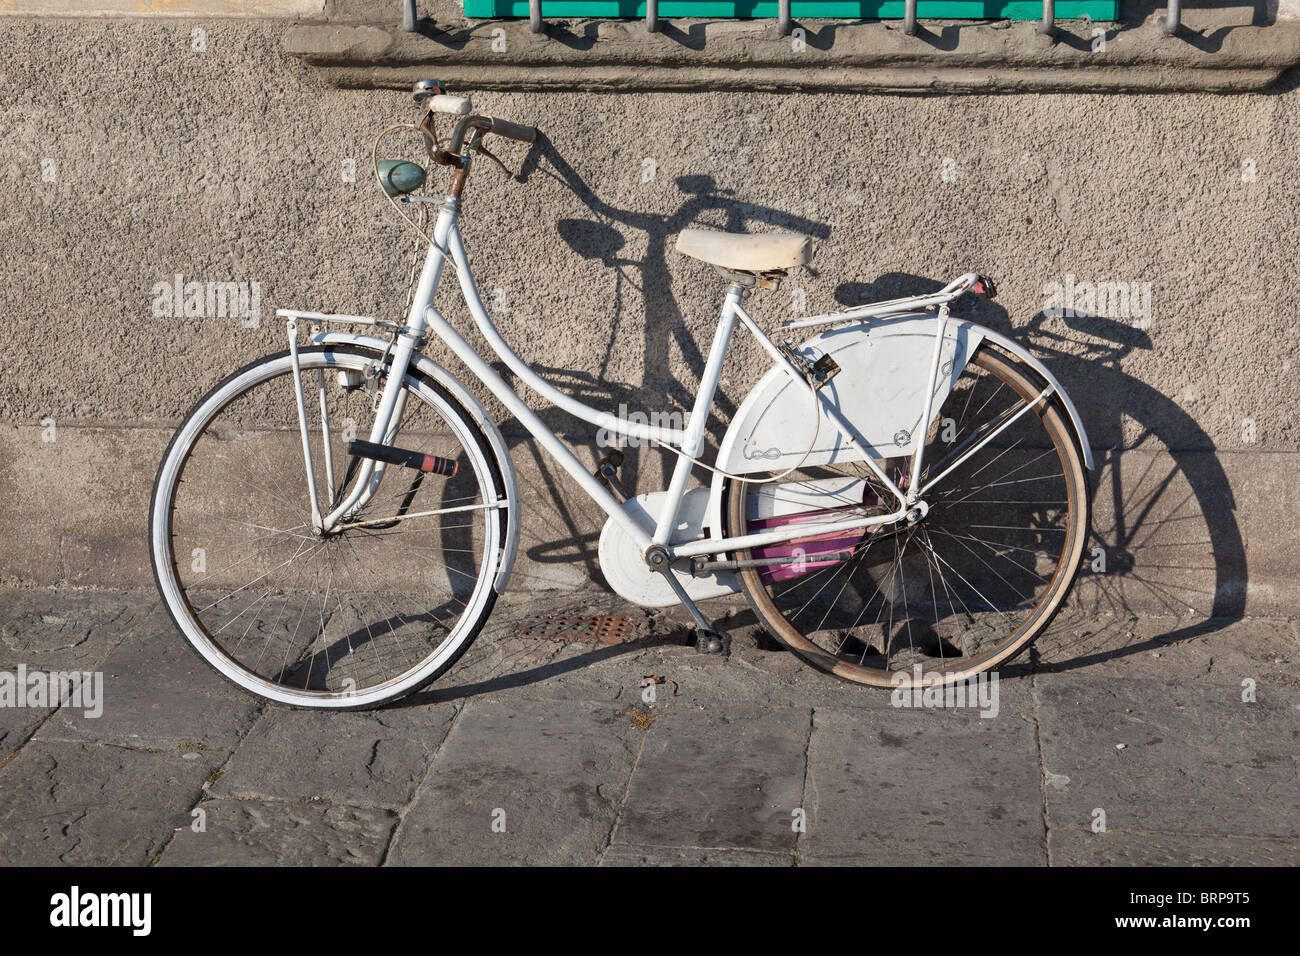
{"x": 707, "y": 640}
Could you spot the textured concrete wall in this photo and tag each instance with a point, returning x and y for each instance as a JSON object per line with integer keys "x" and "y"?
{"x": 137, "y": 150}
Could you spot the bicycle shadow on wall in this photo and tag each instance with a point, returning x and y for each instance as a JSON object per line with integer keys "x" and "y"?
{"x": 1165, "y": 556}
{"x": 571, "y": 538}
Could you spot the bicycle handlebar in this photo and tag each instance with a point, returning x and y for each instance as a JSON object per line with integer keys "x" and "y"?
{"x": 525, "y": 134}
{"x": 432, "y": 98}
{"x": 490, "y": 124}
{"x": 430, "y": 95}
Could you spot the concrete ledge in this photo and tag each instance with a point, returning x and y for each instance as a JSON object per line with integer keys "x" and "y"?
{"x": 78, "y": 517}
{"x": 292, "y": 9}
{"x": 619, "y": 55}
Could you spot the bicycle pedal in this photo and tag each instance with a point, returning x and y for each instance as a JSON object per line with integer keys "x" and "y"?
{"x": 711, "y": 642}
{"x": 609, "y": 464}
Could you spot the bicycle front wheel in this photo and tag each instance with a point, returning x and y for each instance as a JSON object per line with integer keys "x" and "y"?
{"x": 351, "y": 619}
{"x": 963, "y": 589}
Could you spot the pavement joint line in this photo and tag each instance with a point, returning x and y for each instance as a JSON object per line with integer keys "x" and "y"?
{"x": 627, "y": 790}
{"x": 117, "y": 745}
{"x": 416, "y": 790}
{"x": 1042, "y": 767}
{"x": 707, "y": 849}
{"x": 1182, "y": 833}
{"x": 807, "y": 773}
{"x": 250, "y": 796}
{"x": 204, "y": 791}
{"x": 22, "y": 746}
{"x": 144, "y": 746}
{"x": 270, "y": 798}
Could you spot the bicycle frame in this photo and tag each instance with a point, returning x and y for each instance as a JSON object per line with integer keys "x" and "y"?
{"x": 447, "y": 243}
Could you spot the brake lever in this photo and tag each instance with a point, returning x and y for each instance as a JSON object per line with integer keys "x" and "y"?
{"x": 429, "y": 131}
{"x": 478, "y": 146}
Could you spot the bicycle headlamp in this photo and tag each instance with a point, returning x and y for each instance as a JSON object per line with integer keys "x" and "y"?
{"x": 399, "y": 177}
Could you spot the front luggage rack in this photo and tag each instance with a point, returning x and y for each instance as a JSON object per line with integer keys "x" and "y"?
{"x": 321, "y": 317}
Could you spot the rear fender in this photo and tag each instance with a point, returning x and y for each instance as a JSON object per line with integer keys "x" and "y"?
{"x": 879, "y": 390}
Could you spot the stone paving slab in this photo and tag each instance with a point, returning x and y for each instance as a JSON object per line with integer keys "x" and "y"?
{"x": 158, "y": 693}
{"x": 63, "y": 630}
{"x": 281, "y": 833}
{"x": 154, "y": 652}
{"x": 501, "y": 664}
{"x": 624, "y": 855}
{"x": 1172, "y": 649}
{"x": 536, "y": 782}
{"x": 760, "y": 672}
{"x": 1181, "y": 759}
{"x": 1082, "y": 847}
{"x": 139, "y": 713}
{"x": 506, "y": 667}
{"x": 718, "y": 779}
{"x": 913, "y": 787}
{"x": 93, "y": 805}
{"x": 373, "y": 759}
{"x": 587, "y": 770}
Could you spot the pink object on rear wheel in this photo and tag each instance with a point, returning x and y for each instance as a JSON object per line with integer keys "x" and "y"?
{"x": 804, "y": 552}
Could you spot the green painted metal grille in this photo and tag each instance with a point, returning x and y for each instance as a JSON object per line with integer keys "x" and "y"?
{"x": 807, "y": 9}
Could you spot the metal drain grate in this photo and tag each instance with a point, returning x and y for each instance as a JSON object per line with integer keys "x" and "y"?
{"x": 592, "y": 628}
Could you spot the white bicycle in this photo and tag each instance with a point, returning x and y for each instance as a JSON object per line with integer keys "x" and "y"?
{"x": 902, "y": 498}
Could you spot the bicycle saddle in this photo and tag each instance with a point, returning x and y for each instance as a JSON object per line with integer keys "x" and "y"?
{"x": 729, "y": 250}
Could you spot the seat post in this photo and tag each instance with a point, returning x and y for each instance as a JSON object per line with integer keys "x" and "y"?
{"x": 747, "y": 282}
{"x": 742, "y": 282}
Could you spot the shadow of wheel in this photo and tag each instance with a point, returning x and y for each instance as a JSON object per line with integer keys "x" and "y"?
{"x": 1166, "y": 561}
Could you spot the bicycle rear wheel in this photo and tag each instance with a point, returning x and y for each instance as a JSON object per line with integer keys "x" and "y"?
{"x": 960, "y": 591}
{"x": 348, "y": 620}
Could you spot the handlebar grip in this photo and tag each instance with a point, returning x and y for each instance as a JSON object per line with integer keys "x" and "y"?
{"x": 525, "y": 134}
{"x": 456, "y": 105}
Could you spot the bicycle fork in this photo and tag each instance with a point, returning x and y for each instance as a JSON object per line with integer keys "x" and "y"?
{"x": 392, "y": 402}
{"x": 388, "y": 416}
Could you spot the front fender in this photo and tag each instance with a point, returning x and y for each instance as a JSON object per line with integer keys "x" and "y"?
{"x": 880, "y": 391}
{"x": 426, "y": 366}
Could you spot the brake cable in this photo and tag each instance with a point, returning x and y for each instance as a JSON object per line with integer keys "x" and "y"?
{"x": 817, "y": 415}
{"x": 427, "y": 135}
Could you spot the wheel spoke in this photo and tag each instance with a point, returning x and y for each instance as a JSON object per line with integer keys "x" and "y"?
{"x": 979, "y": 570}
{"x": 342, "y": 617}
